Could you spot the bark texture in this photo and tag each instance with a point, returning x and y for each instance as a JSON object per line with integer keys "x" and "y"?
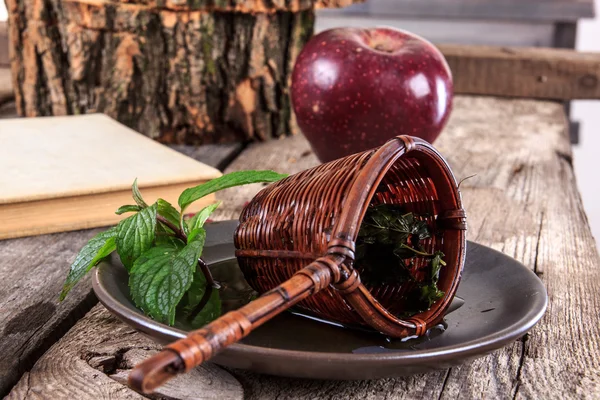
{"x": 191, "y": 71}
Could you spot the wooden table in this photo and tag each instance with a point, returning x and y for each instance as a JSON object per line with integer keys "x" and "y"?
{"x": 523, "y": 202}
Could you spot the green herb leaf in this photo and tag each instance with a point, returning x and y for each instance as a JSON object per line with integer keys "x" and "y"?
{"x": 387, "y": 244}
{"x": 226, "y": 181}
{"x": 161, "y": 276}
{"x": 201, "y": 216}
{"x": 164, "y": 237}
{"x": 127, "y": 208}
{"x": 158, "y": 258}
{"x": 436, "y": 265}
{"x": 99, "y": 247}
{"x": 430, "y": 294}
{"x": 187, "y": 310}
{"x": 193, "y": 234}
{"x": 135, "y": 235}
{"x": 208, "y": 313}
{"x": 170, "y": 213}
{"x": 137, "y": 196}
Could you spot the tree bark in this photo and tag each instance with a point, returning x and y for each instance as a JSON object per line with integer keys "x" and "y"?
{"x": 181, "y": 71}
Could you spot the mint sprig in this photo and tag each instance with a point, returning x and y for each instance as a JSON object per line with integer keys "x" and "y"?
{"x": 137, "y": 196}
{"x": 99, "y": 247}
{"x": 161, "y": 276}
{"x": 135, "y": 235}
{"x": 161, "y": 252}
{"x": 200, "y": 218}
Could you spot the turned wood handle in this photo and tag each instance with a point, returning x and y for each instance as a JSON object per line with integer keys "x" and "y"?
{"x": 202, "y": 344}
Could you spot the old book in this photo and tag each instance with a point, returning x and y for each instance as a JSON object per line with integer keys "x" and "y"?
{"x": 66, "y": 173}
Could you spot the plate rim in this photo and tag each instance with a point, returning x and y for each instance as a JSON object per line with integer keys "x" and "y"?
{"x": 471, "y": 348}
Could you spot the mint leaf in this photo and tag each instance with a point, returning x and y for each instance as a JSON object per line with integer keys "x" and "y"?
{"x": 226, "y": 181}
{"x": 196, "y": 291}
{"x": 193, "y": 234}
{"x": 160, "y": 277}
{"x": 99, "y": 247}
{"x": 437, "y": 263}
{"x": 157, "y": 257}
{"x": 200, "y": 218}
{"x": 210, "y": 311}
{"x": 164, "y": 237}
{"x": 170, "y": 213}
{"x": 137, "y": 196}
{"x": 135, "y": 235}
{"x": 127, "y": 208}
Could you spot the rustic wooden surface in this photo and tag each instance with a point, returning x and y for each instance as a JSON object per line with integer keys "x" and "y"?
{"x": 102, "y": 350}
{"x": 527, "y": 10}
{"x": 164, "y": 68}
{"x": 217, "y": 155}
{"x": 523, "y": 201}
{"x": 524, "y": 72}
{"x": 32, "y": 270}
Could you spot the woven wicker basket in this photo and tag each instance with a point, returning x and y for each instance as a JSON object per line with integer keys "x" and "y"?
{"x": 296, "y": 242}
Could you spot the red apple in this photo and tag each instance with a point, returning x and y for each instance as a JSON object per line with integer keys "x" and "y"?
{"x": 353, "y": 89}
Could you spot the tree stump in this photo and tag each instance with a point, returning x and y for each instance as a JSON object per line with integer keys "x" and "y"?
{"x": 180, "y": 71}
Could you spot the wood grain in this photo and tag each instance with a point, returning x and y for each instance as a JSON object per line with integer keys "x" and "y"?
{"x": 447, "y": 30}
{"x": 524, "y": 202}
{"x": 217, "y": 155}
{"x": 557, "y": 74}
{"x": 32, "y": 271}
{"x": 93, "y": 360}
{"x": 526, "y": 10}
{"x": 31, "y": 275}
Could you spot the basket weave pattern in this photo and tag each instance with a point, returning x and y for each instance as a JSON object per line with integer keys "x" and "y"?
{"x": 290, "y": 224}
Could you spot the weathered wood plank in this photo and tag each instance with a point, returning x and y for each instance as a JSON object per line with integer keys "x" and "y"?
{"x": 93, "y": 360}
{"x": 448, "y": 30}
{"x": 32, "y": 271}
{"x": 524, "y": 202}
{"x": 217, "y": 155}
{"x": 31, "y": 275}
{"x": 531, "y": 11}
{"x": 557, "y": 74}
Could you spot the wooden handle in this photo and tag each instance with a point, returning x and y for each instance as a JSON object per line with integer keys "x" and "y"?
{"x": 202, "y": 344}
